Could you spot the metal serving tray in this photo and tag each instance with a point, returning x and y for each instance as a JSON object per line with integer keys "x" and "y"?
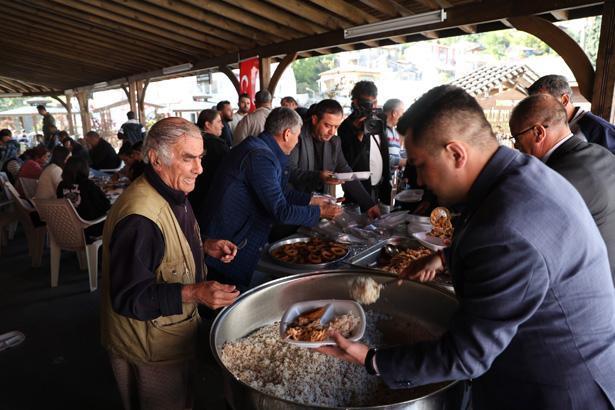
{"x": 312, "y": 266}
{"x": 369, "y": 258}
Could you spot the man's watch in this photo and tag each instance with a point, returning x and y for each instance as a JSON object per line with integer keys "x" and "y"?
{"x": 370, "y": 362}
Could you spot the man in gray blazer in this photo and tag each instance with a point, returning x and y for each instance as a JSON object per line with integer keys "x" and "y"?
{"x": 539, "y": 126}
{"x": 535, "y": 327}
{"x": 319, "y": 154}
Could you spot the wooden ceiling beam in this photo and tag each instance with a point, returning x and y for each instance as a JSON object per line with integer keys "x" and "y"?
{"x": 76, "y": 51}
{"x": 229, "y": 37}
{"x": 26, "y": 71}
{"x": 203, "y": 15}
{"x": 41, "y": 15}
{"x": 430, "y": 35}
{"x": 160, "y": 22}
{"x": 12, "y": 87}
{"x": 113, "y": 15}
{"x": 404, "y": 11}
{"x": 382, "y": 6}
{"x": 468, "y": 28}
{"x": 560, "y": 15}
{"x": 71, "y": 36}
{"x": 238, "y": 15}
{"x": 52, "y": 53}
{"x": 347, "y": 47}
{"x": 399, "y": 39}
{"x": 47, "y": 66}
{"x": 80, "y": 12}
{"x": 346, "y": 10}
{"x": 274, "y": 14}
{"x": 304, "y": 9}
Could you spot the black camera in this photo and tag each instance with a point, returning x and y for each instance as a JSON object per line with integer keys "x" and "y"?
{"x": 373, "y": 124}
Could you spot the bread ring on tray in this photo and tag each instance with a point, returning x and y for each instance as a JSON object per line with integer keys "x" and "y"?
{"x": 328, "y": 255}
{"x": 338, "y": 250}
{"x": 292, "y": 252}
{"x": 314, "y": 259}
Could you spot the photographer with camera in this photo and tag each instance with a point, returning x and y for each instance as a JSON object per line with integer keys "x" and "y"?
{"x": 364, "y": 141}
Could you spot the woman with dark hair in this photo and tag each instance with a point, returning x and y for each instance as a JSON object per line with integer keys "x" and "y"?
{"x": 210, "y": 124}
{"x": 33, "y": 166}
{"x": 89, "y": 200}
{"x": 52, "y": 174}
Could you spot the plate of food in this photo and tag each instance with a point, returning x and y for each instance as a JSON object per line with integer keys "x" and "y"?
{"x": 309, "y": 323}
{"x": 429, "y": 241}
{"x": 351, "y": 176}
{"x": 306, "y": 252}
{"x": 441, "y": 234}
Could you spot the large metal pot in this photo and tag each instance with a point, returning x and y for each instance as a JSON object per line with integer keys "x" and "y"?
{"x": 267, "y": 303}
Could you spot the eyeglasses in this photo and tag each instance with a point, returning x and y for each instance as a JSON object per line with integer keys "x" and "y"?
{"x": 515, "y": 136}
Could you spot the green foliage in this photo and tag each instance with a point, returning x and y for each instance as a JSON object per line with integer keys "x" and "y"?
{"x": 592, "y": 39}
{"x": 307, "y": 71}
{"x": 9, "y": 103}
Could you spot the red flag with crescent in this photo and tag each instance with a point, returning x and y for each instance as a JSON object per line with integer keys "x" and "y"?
{"x": 248, "y": 76}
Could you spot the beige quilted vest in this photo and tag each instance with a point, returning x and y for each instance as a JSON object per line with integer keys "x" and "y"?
{"x": 166, "y": 338}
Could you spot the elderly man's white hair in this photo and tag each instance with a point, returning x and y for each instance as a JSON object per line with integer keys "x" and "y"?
{"x": 165, "y": 133}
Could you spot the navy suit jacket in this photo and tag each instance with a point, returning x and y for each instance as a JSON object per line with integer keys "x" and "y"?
{"x": 590, "y": 168}
{"x": 535, "y": 327}
{"x": 246, "y": 198}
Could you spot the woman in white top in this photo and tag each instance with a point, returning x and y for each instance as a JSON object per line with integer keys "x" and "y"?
{"x": 52, "y": 174}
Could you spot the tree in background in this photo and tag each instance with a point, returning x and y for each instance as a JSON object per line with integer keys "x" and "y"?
{"x": 307, "y": 71}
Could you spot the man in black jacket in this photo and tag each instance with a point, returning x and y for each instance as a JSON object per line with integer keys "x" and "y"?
{"x": 319, "y": 154}
{"x": 539, "y": 127}
{"x": 367, "y": 151}
{"x": 102, "y": 154}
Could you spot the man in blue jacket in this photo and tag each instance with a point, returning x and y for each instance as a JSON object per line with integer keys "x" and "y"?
{"x": 249, "y": 195}
{"x": 535, "y": 328}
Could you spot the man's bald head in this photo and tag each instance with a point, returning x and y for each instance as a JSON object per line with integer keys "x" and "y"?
{"x": 538, "y": 123}
{"x": 443, "y": 114}
{"x": 538, "y": 109}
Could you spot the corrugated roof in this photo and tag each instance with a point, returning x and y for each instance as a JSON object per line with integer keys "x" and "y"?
{"x": 490, "y": 80}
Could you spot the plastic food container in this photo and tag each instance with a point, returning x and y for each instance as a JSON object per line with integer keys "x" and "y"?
{"x": 350, "y": 176}
{"x": 334, "y": 308}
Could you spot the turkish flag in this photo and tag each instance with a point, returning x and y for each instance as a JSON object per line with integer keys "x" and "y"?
{"x": 248, "y": 76}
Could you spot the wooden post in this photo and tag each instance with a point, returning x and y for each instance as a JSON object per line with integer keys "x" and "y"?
{"x": 231, "y": 76}
{"x": 69, "y": 113}
{"x": 286, "y": 61}
{"x": 132, "y": 96}
{"x": 603, "y": 103}
{"x": 141, "y": 89}
{"x": 83, "y": 96}
{"x": 564, "y": 45}
{"x": 264, "y": 72}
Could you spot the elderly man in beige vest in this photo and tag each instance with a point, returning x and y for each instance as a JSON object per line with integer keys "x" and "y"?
{"x": 154, "y": 275}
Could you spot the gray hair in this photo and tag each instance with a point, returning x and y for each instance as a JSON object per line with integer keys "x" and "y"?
{"x": 165, "y": 133}
{"x": 553, "y": 84}
{"x": 280, "y": 119}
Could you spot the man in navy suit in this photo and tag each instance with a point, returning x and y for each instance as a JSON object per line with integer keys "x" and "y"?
{"x": 249, "y": 194}
{"x": 538, "y": 125}
{"x": 535, "y": 328}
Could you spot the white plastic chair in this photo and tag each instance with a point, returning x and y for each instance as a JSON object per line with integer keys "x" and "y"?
{"x": 8, "y": 216}
{"x": 35, "y": 234}
{"x": 66, "y": 231}
{"x": 28, "y": 186}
